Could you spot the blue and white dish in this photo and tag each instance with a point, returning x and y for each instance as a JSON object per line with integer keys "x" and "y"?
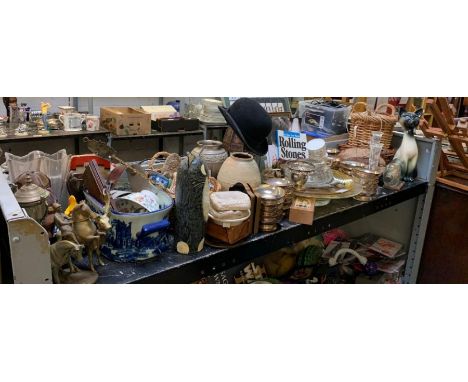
{"x": 136, "y": 236}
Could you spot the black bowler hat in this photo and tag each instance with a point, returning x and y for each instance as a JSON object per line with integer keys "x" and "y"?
{"x": 251, "y": 123}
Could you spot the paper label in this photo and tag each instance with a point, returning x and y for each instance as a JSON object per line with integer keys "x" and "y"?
{"x": 291, "y": 145}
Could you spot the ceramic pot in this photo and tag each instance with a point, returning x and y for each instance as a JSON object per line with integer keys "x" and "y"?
{"x": 212, "y": 154}
{"x": 136, "y": 236}
{"x": 239, "y": 167}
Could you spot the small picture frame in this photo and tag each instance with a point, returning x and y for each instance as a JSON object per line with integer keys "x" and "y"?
{"x": 281, "y": 121}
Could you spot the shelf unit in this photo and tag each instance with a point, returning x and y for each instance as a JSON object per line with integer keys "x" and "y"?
{"x": 172, "y": 267}
{"x": 75, "y": 138}
{"x": 403, "y": 214}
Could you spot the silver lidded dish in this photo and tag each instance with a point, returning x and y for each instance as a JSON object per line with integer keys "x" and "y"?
{"x": 300, "y": 171}
{"x": 279, "y": 182}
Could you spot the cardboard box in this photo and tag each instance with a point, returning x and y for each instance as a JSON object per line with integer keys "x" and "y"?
{"x": 302, "y": 211}
{"x": 125, "y": 121}
{"x": 160, "y": 111}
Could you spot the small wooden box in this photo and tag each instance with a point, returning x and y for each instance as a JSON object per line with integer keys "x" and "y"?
{"x": 302, "y": 211}
{"x": 255, "y": 210}
{"x": 253, "y": 201}
{"x": 229, "y": 235}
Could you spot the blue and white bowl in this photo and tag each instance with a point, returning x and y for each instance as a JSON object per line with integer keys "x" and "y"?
{"x": 136, "y": 236}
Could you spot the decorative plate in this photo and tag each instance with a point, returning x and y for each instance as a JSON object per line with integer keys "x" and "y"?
{"x": 350, "y": 190}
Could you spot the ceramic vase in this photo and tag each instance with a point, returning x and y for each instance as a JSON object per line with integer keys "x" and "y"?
{"x": 192, "y": 205}
{"x": 239, "y": 167}
{"x": 212, "y": 154}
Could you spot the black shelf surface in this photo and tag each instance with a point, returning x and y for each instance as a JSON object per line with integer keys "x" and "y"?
{"x": 172, "y": 267}
{"x": 214, "y": 126}
{"x": 157, "y": 134}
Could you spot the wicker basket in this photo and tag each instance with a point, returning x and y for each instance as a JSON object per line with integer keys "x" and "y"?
{"x": 364, "y": 123}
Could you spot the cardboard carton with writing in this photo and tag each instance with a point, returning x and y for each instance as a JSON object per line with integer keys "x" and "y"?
{"x": 125, "y": 121}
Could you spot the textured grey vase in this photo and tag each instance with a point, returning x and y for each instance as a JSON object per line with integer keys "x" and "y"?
{"x": 212, "y": 154}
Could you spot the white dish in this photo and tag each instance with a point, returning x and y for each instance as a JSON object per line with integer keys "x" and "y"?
{"x": 145, "y": 199}
{"x": 229, "y": 223}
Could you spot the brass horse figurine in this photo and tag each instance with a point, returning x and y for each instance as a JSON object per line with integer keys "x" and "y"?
{"x": 90, "y": 229}
{"x": 63, "y": 253}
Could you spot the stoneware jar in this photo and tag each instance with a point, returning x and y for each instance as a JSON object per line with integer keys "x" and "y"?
{"x": 212, "y": 155}
{"x": 239, "y": 167}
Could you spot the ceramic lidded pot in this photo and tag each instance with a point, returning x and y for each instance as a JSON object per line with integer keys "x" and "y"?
{"x": 212, "y": 154}
{"x": 239, "y": 167}
{"x": 33, "y": 199}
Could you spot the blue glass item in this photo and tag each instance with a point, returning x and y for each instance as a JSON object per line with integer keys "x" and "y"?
{"x": 175, "y": 104}
{"x": 44, "y": 121}
{"x": 160, "y": 179}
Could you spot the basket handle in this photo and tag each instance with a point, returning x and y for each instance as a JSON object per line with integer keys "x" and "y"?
{"x": 359, "y": 103}
{"x": 163, "y": 154}
{"x": 387, "y": 106}
{"x": 160, "y": 154}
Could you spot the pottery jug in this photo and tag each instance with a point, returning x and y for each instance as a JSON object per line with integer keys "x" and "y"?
{"x": 212, "y": 155}
{"x": 239, "y": 167}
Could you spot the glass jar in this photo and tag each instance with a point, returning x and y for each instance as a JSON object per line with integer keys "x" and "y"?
{"x": 392, "y": 174}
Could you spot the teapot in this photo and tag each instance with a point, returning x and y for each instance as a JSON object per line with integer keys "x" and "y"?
{"x": 33, "y": 199}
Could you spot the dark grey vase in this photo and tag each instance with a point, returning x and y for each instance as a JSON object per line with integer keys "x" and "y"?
{"x": 192, "y": 205}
